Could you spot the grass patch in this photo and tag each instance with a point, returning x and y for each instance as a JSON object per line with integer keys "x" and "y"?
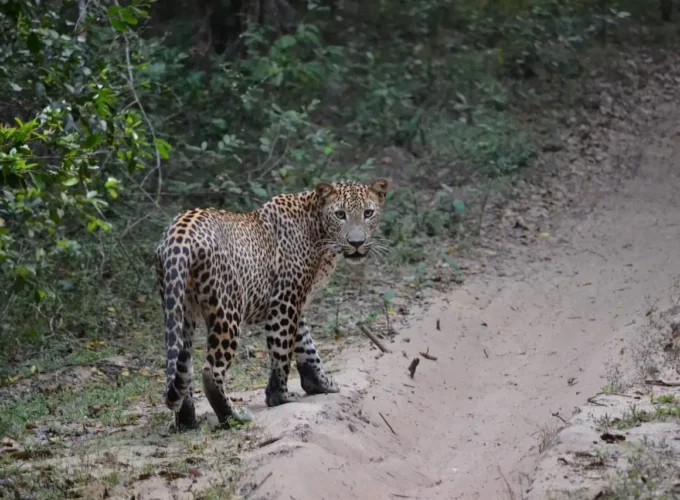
{"x": 635, "y": 416}
{"x": 664, "y": 399}
{"x": 101, "y": 402}
{"x": 651, "y": 473}
{"x": 92, "y": 457}
{"x": 219, "y": 492}
{"x": 547, "y": 436}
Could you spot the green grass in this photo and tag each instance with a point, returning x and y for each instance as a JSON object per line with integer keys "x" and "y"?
{"x": 494, "y": 144}
{"x": 49, "y": 362}
{"x": 664, "y": 399}
{"x": 75, "y": 428}
{"x": 651, "y": 474}
{"x": 41, "y": 483}
{"x": 102, "y": 401}
{"x": 216, "y": 493}
{"x": 634, "y": 416}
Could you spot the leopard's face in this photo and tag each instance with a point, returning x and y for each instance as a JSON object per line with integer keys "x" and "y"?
{"x": 350, "y": 214}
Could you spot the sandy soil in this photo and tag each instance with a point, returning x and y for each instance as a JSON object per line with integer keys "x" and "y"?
{"x": 528, "y": 338}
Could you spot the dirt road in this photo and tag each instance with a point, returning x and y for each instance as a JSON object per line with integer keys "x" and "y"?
{"x": 513, "y": 349}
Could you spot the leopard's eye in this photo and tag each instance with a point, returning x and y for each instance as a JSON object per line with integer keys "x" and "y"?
{"x": 368, "y": 213}
{"x": 340, "y": 214}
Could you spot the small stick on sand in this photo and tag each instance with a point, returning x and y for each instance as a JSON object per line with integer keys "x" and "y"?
{"x": 373, "y": 338}
{"x": 427, "y": 355}
{"x": 593, "y": 402}
{"x": 663, "y": 383}
{"x": 257, "y": 487}
{"x": 387, "y": 423}
{"x": 557, "y": 415}
{"x": 269, "y": 441}
{"x": 412, "y": 367}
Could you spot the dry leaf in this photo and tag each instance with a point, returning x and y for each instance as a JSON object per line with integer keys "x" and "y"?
{"x": 170, "y": 475}
{"x": 29, "y": 454}
{"x": 97, "y": 371}
{"x": 95, "y": 410}
{"x": 8, "y": 445}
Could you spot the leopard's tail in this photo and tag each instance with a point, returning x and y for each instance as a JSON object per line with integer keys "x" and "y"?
{"x": 173, "y": 274}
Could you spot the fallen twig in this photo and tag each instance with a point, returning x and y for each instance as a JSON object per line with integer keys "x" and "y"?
{"x": 373, "y": 338}
{"x": 592, "y": 401}
{"x": 662, "y": 383}
{"x": 30, "y": 454}
{"x": 387, "y": 423}
{"x": 511, "y": 492}
{"x": 412, "y": 367}
{"x": 257, "y": 487}
{"x": 485, "y": 353}
{"x": 616, "y": 394}
{"x": 269, "y": 441}
{"x": 427, "y": 355}
{"x": 557, "y": 415}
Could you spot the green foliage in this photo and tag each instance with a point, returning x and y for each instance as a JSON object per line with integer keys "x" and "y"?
{"x": 62, "y": 164}
{"x": 117, "y": 117}
{"x": 52, "y": 178}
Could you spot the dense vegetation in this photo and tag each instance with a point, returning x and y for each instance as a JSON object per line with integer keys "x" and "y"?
{"x": 116, "y": 115}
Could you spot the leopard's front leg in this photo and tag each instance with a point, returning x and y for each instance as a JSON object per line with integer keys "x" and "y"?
{"x": 313, "y": 378}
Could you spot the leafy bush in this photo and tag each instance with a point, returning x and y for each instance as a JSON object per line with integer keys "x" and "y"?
{"x": 64, "y": 163}
{"x": 97, "y": 92}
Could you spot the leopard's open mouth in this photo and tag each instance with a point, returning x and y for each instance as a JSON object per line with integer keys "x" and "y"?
{"x": 356, "y": 256}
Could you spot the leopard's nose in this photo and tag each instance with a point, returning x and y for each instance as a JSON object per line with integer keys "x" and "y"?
{"x": 356, "y": 237}
{"x": 356, "y": 243}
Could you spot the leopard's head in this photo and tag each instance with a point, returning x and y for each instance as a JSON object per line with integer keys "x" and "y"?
{"x": 350, "y": 214}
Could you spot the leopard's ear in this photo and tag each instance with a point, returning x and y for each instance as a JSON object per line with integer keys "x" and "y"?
{"x": 379, "y": 187}
{"x": 324, "y": 190}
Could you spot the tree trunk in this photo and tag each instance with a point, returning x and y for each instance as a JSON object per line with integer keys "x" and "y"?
{"x": 666, "y": 7}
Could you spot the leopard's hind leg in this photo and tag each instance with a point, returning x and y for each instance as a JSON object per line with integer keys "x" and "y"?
{"x": 223, "y": 321}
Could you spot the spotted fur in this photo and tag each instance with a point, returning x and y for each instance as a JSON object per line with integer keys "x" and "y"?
{"x": 262, "y": 267}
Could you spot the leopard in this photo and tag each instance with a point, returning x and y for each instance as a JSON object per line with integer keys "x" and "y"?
{"x": 231, "y": 270}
